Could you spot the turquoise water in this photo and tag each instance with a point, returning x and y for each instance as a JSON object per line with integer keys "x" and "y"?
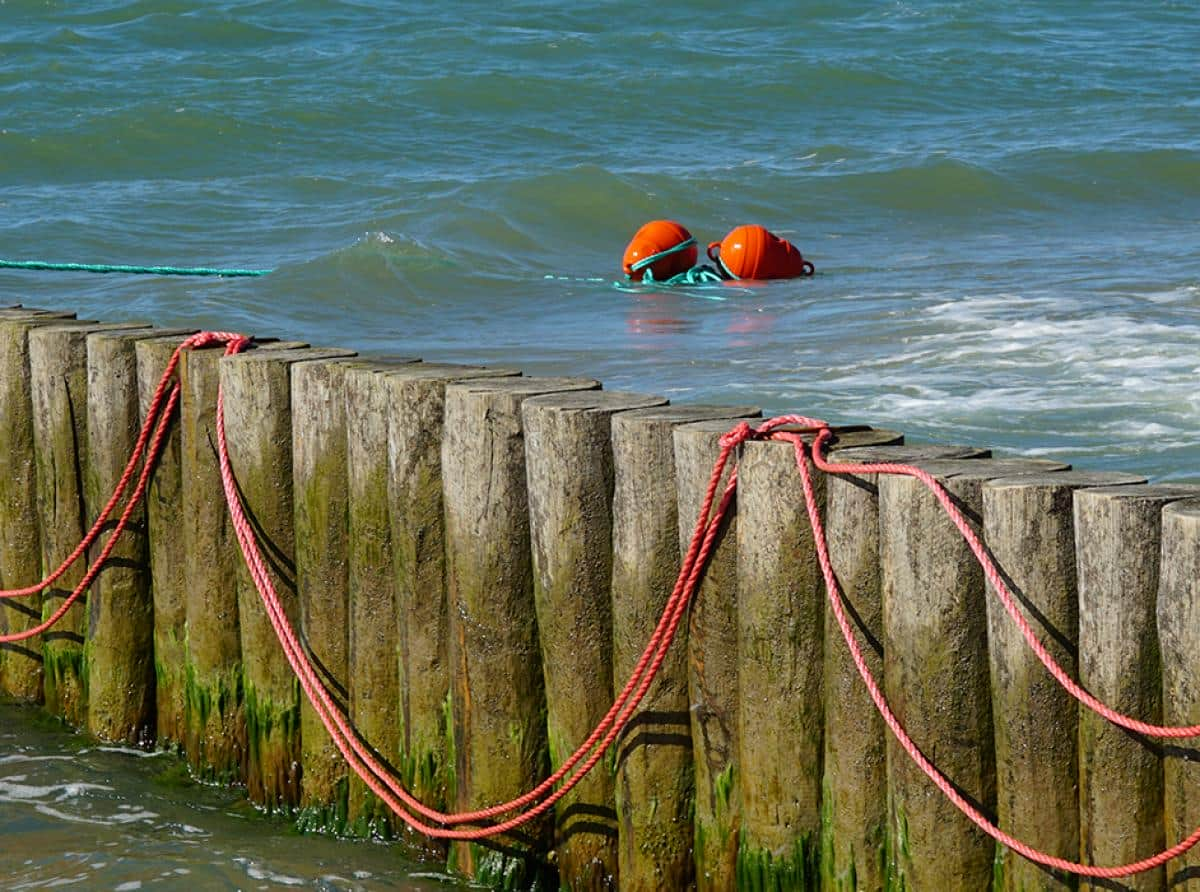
{"x": 1001, "y": 200}
{"x": 77, "y": 813}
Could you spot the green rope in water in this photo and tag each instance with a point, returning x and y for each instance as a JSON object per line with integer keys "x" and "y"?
{"x": 138, "y": 270}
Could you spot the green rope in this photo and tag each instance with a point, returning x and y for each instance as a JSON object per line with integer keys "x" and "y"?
{"x": 697, "y": 275}
{"x": 139, "y": 270}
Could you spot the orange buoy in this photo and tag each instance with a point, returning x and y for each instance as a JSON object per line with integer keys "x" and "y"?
{"x": 752, "y": 252}
{"x": 661, "y": 247}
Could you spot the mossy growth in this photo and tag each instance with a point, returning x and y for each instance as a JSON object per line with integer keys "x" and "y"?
{"x": 422, "y": 772}
{"x": 64, "y": 665}
{"x": 723, "y": 786}
{"x": 206, "y": 702}
{"x": 896, "y": 847}
{"x": 507, "y": 871}
{"x": 373, "y": 821}
{"x": 267, "y": 719}
{"x": 331, "y": 817}
{"x": 175, "y": 776}
{"x": 844, "y": 877}
{"x": 222, "y": 695}
{"x": 759, "y": 870}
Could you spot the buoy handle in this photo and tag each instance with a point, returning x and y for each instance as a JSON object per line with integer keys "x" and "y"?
{"x": 806, "y": 268}
{"x": 714, "y": 246}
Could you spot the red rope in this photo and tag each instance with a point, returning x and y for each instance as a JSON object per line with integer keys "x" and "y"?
{"x": 360, "y": 758}
{"x": 157, "y": 418}
{"x": 881, "y": 704}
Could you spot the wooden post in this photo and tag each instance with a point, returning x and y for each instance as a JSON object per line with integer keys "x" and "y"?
{"x": 215, "y": 734}
{"x": 568, "y": 450}
{"x": 1179, "y": 634}
{"x": 58, "y": 374}
{"x": 20, "y": 536}
{"x": 258, "y": 422}
{"x": 854, "y": 804}
{"x": 416, "y": 399}
{"x": 168, "y": 581}
{"x": 936, "y": 672}
{"x": 374, "y": 636}
{"x": 120, "y": 634}
{"x": 1029, "y": 529}
{"x": 712, "y": 661}
{"x": 1117, "y": 532}
{"x": 654, "y": 786}
{"x": 319, "y": 476}
{"x": 374, "y": 662}
{"x": 498, "y": 698}
{"x": 780, "y": 642}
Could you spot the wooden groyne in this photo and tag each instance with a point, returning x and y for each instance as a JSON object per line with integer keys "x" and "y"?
{"x": 476, "y": 561}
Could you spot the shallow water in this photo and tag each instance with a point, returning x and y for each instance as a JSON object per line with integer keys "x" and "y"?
{"x": 74, "y": 812}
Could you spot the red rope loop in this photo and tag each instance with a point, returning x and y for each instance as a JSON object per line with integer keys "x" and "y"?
{"x": 359, "y": 756}
{"x": 930, "y": 770}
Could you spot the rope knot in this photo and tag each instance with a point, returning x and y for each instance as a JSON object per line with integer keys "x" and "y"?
{"x": 738, "y": 435}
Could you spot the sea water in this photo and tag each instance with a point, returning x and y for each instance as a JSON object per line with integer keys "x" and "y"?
{"x": 1002, "y": 201}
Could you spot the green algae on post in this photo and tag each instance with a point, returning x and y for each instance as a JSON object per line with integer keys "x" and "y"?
{"x": 374, "y": 664}
{"x": 936, "y": 672}
{"x": 58, "y": 375}
{"x": 498, "y": 695}
{"x": 168, "y": 584}
{"x": 257, "y": 392}
{"x": 795, "y": 868}
{"x": 655, "y": 792}
{"x": 1029, "y": 529}
{"x": 319, "y": 483}
{"x": 568, "y": 452}
{"x": 214, "y": 716}
{"x": 1178, "y": 627}
{"x": 120, "y": 644}
{"x": 854, "y": 798}
{"x": 712, "y": 662}
{"x": 415, "y": 411}
{"x": 1117, "y": 542}
{"x": 21, "y": 556}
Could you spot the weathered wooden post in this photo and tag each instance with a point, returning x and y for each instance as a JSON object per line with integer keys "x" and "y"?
{"x": 568, "y": 450}
{"x": 1179, "y": 635}
{"x": 58, "y": 373}
{"x": 120, "y": 632}
{"x": 1029, "y": 528}
{"x": 854, "y": 804}
{"x": 416, "y": 400}
{"x": 498, "y": 698}
{"x": 20, "y": 538}
{"x": 654, "y": 786}
{"x": 258, "y": 418}
{"x": 215, "y": 738}
{"x": 712, "y": 661}
{"x": 319, "y": 480}
{"x": 168, "y": 580}
{"x": 375, "y": 633}
{"x": 780, "y": 642}
{"x": 936, "y": 671}
{"x": 1117, "y": 542}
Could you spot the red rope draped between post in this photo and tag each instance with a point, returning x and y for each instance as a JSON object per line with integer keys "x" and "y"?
{"x": 543, "y": 797}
